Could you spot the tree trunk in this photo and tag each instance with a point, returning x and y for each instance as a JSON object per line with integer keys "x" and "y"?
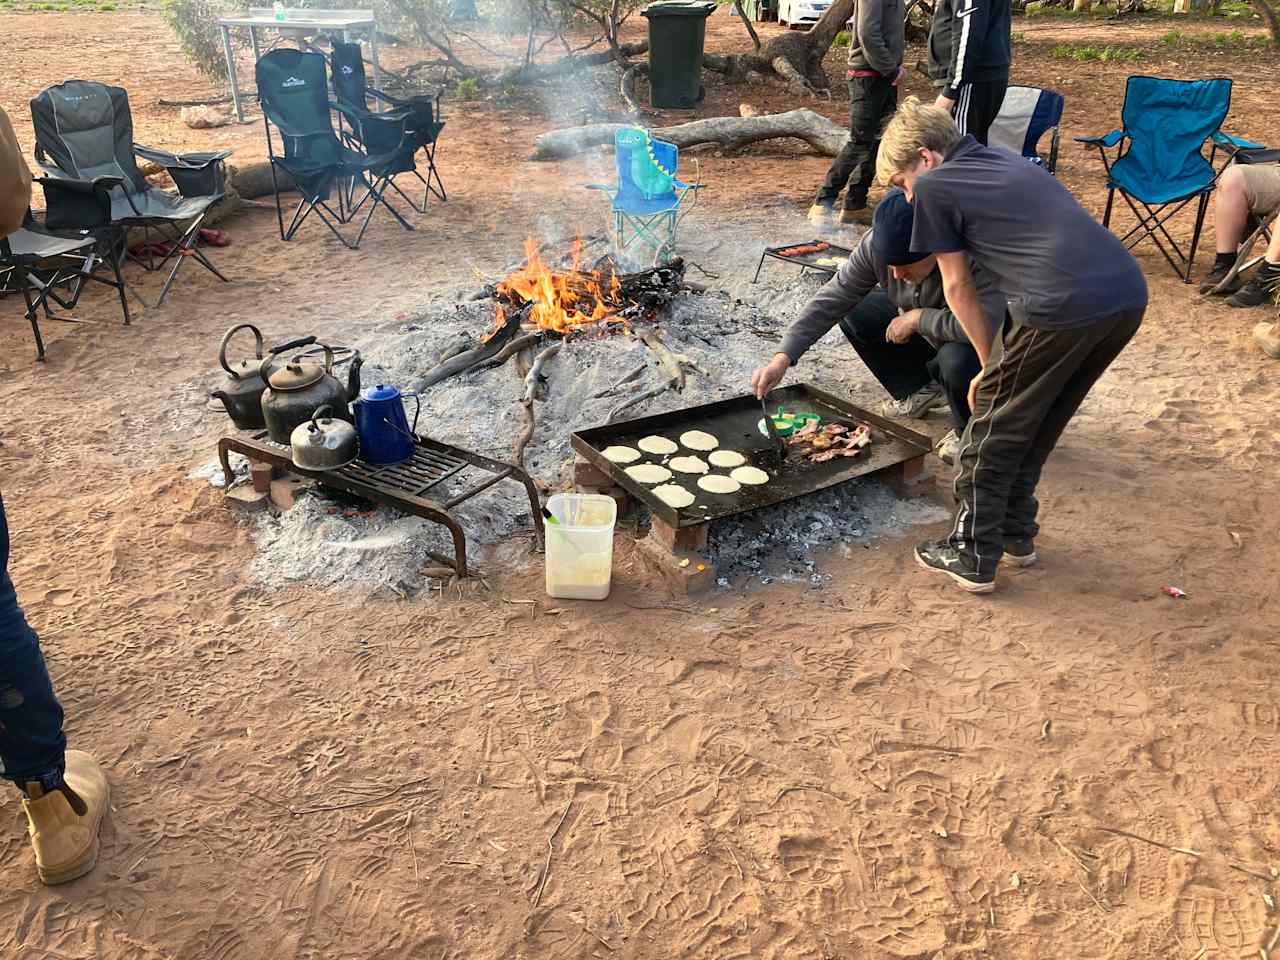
{"x": 1268, "y": 12}
{"x": 731, "y": 133}
{"x": 803, "y": 52}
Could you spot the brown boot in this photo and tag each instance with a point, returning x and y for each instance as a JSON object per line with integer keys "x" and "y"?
{"x": 64, "y": 824}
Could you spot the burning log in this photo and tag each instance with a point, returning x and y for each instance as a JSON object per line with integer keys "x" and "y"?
{"x": 564, "y": 303}
{"x": 464, "y": 361}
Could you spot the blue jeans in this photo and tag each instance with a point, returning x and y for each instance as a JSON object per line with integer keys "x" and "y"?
{"x": 31, "y": 741}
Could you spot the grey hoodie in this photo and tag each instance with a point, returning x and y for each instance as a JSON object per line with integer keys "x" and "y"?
{"x": 861, "y": 274}
{"x": 876, "y": 36}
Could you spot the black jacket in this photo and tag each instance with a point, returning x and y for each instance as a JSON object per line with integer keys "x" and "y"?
{"x": 969, "y": 42}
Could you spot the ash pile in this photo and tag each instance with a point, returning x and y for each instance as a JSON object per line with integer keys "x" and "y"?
{"x": 497, "y": 377}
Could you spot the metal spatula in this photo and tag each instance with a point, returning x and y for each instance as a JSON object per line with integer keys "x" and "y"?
{"x": 779, "y": 448}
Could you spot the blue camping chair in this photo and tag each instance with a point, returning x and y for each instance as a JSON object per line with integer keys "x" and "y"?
{"x": 1026, "y": 115}
{"x": 1161, "y": 163}
{"x": 646, "y": 203}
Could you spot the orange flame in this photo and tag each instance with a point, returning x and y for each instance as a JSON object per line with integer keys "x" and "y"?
{"x": 561, "y": 300}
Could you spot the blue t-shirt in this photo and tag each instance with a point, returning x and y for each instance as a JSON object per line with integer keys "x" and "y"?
{"x": 1059, "y": 268}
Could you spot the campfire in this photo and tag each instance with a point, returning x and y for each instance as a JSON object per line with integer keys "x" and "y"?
{"x": 539, "y": 308}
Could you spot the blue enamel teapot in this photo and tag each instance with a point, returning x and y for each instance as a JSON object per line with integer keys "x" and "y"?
{"x": 384, "y": 431}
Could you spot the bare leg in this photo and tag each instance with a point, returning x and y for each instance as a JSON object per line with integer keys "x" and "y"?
{"x": 1231, "y": 210}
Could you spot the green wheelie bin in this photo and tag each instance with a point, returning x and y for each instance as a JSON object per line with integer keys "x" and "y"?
{"x": 677, "y": 29}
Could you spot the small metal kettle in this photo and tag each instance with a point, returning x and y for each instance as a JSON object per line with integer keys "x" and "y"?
{"x": 385, "y": 434}
{"x": 241, "y": 393}
{"x": 324, "y": 442}
{"x": 296, "y": 389}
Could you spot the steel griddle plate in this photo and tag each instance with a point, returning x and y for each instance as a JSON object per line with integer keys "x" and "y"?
{"x": 734, "y": 423}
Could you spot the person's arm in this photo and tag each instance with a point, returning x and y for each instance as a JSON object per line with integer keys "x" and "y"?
{"x": 834, "y": 301}
{"x": 871, "y": 38}
{"x": 939, "y": 325}
{"x": 968, "y": 31}
{"x": 962, "y": 297}
{"x": 15, "y": 179}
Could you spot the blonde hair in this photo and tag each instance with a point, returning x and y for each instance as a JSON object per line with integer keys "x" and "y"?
{"x": 914, "y": 126}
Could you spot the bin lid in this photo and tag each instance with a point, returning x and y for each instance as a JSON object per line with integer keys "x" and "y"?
{"x": 679, "y": 8}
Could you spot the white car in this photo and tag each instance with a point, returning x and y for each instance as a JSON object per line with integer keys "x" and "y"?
{"x": 801, "y": 13}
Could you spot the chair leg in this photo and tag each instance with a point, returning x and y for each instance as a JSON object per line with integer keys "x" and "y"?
{"x": 1111, "y": 199}
{"x": 1195, "y": 236}
{"x": 275, "y": 189}
{"x": 120, "y": 287}
{"x": 33, "y": 315}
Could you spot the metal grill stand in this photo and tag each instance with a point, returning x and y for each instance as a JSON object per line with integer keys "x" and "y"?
{"x": 403, "y": 486}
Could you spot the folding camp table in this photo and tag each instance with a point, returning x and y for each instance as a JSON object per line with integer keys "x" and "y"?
{"x": 296, "y": 23}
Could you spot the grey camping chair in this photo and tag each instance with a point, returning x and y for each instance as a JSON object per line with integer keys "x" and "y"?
{"x": 84, "y": 143}
{"x": 44, "y": 267}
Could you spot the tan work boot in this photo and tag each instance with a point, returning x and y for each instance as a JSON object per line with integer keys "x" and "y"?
{"x": 64, "y": 824}
{"x": 1267, "y": 336}
{"x": 821, "y": 213}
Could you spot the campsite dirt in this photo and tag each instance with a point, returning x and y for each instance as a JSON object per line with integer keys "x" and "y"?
{"x": 885, "y": 768}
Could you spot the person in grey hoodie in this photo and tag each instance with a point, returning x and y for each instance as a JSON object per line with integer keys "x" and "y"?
{"x": 889, "y": 302}
{"x": 876, "y": 46}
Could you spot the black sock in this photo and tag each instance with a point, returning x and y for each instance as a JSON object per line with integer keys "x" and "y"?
{"x": 1225, "y": 260}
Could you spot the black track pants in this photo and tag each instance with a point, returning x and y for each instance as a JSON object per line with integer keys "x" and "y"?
{"x": 1033, "y": 383}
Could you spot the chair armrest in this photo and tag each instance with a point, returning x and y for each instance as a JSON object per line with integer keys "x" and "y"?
{"x": 1247, "y": 155}
{"x": 72, "y": 203}
{"x": 60, "y": 181}
{"x": 1106, "y": 140}
{"x": 186, "y": 161}
{"x": 1234, "y": 143}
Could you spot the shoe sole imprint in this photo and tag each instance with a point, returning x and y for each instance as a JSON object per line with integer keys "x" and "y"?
{"x": 968, "y": 585}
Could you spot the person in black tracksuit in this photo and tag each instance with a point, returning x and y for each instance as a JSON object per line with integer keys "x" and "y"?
{"x": 969, "y": 59}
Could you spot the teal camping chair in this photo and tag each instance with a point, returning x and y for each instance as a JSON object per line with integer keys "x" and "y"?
{"x": 646, "y": 204}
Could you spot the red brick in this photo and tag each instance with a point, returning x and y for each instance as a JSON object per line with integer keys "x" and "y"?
{"x": 677, "y": 539}
{"x": 262, "y": 475}
{"x": 589, "y": 476}
{"x": 907, "y": 478}
{"x": 686, "y": 572}
{"x": 247, "y": 500}
{"x": 286, "y": 490}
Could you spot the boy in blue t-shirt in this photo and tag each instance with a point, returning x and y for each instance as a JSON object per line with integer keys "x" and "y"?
{"x": 1076, "y": 297}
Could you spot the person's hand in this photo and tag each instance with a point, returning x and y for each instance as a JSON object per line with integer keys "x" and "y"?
{"x": 770, "y": 375}
{"x": 904, "y": 326}
{"x": 945, "y": 102}
{"x": 901, "y": 77}
{"x": 973, "y": 390}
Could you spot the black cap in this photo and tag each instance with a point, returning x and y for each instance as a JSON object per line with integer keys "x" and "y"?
{"x": 891, "y": 230}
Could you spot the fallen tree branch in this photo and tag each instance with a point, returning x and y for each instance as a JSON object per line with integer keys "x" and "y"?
{"x": 510, "y": 350}
{"x": 666, "y": 359}
{"x": 534, "y": 382}
{"x": 210, "y": 102}
{"x": 731, "y": 133}
{"x": 476, "y": 355}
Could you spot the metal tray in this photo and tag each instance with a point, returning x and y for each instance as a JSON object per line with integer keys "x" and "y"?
{"x": 734, "y": 423}
{"x": 805, "y": 261}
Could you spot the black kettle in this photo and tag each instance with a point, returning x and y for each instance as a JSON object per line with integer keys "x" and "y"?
{"x": 297, "y": 388}
{"x": 241, "y": 393}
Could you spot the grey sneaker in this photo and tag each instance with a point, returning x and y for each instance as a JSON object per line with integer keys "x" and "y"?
{"x": 1020, "y": 552}
{"x": 948, "y": 448}
{"x": 917, "y": 405}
